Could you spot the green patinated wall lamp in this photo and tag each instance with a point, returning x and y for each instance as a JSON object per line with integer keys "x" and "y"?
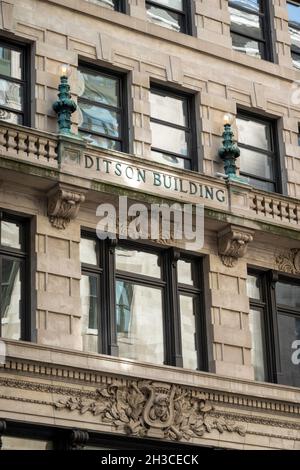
{"x": 64, "y": 106}
{"x": 229, "y": 152}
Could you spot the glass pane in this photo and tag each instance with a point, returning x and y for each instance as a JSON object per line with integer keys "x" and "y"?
{"x": 253, "y": 133}
{"x": 257, "y": 164}
{"x": 295, "y": 37}
{"x": 89, "y": 312}
{"x": 184, "y": 272}
{"x": 294, "y": 13}
{"x": 23, "y": 443}
{"x": 257, "y": 351}
{"x": 10, "y": 235}
{"x": 246, "y": 24}
{"x": 263, "y": 185}
{"x": 10, "y": 63}
{"x": 161, "y": 157}
{"x": 289, "y": 343}
{"x": 8, "y": 116}
{"x": 88, "y": 251}
{"x": 296, "y": 60}
{"x": 138, "y": 262}
{"x": 169, "y": 109}
{"x": 188, "y": 329}
{"x": 98, "y": 88}
{"x": 169, "y": 139}
{"x": 139, "y": 322}
{"x": 247, "y": 46}
{"x": 253, "y": 287}
{"x": 11, "y": 299}
{"x": 97, "y": 119}
{"x": 288, "y": 294}
{"x": 99, "y": 141}
{"x": 165, "y": 18}
{"x": 253, "y": 5}
{"x": 11, "y": 94}
{"x": 176, "y": 4}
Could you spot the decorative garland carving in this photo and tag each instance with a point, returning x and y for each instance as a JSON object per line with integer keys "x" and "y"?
{"x": 288, "y": 261}
{"x": 233, "y": 243}
{"x": 153, "y": 409}
{"x": 63, "y": 205}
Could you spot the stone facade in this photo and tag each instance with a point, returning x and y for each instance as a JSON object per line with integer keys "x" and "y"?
{"x": 50, "y": 381}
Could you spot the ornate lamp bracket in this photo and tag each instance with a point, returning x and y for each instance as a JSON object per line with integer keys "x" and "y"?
{"x": 233, "y": 243}
{"x": 63, "y": 205}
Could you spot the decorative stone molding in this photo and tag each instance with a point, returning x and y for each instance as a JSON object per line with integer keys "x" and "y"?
{"x": 63, "y": 205}
{"x": 288, "y": 261}
{"x": 152, "y": 409}
{"x": 233, "y": 243}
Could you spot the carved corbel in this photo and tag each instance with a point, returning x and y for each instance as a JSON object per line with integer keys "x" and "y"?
{"x": 77, "y": 439}
{"x": 63, "y": 205}
{"x": 233, "y": 243}
{"x": 288, "y": 261}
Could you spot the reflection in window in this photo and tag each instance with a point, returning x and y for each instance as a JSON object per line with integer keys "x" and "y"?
{"x": 171, "y": 14}
{"x": 248, "y": 30}
{"x": 258, "y": 159}
{"x": 294, "y": 28}
{"x": 89, "y": 312}
{"x": 116, "y": 5}
{"x": 100, "y": 109}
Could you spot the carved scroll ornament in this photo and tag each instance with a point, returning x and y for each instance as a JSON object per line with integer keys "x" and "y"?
{"x": 63, "y": 205}
{"x": 288, "y": 261}
{"x": 233, "y": 243}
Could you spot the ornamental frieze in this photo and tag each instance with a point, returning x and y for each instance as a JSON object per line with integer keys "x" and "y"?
{"x": 288, "y": 261}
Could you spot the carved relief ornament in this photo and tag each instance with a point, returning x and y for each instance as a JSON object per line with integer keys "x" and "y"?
{"x": 233, "y": 243}
{"x": 288, "y": 261}
{"x": 63, "y": 205}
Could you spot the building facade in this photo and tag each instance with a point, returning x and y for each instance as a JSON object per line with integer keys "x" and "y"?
{"x": 112, "y": 343}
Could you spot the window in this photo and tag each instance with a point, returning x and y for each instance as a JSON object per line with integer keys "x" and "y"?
{"x": 143, "y": 303}
{"x": 172, "y": 14}
{"x": 249, "y": 27}
{"x": 275, "y": 327}
{"x": 117, "y": 5}
{"x": 13, "y": 84}
{"x": 172, "y": 134}
{"x": 258, "y": 161}
{"x": 294, "y": 27}
{"x": 101, "y": 109}
{"x": 13, "y": 260}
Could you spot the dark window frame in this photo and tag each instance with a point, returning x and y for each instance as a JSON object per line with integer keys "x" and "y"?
{"x": 23, "y": 255}
{"x": 271, "y": 309}
{"x": 185, "y": 14}
{"x": 274, "y": 144}
{"x": 190, "y": 129}
{"x": 264, "y": 14}
{"x": 170, "y": 297}
{"x": 26, "y": 67}
{"x": 122, "y": 109}
{"x": 294, "y": 49}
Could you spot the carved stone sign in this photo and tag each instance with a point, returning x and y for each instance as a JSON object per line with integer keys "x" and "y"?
{"x": 153, "y": 409}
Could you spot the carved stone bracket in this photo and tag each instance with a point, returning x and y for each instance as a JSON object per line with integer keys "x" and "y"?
{"x": 63, "y": 205}
{"x": 233, "y": 243}
{"x": 288, "y": 261}
{"x": 77, "y": 439}
{"x": 152, "y": 409}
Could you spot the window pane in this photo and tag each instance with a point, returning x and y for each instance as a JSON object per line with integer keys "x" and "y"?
{"x": 253, "y": 133}
{"x": 88, "y": 251}
{"x": 138, "y": 262}
{"x": 176, "y": 4}
{"x": 253, "y": 5}
{"x": 161, "y": 157}
{"x": 10, "y": 63}
{"x": 294, "y": 13}
{"x": 10, "y": 235}
{"x": 169, "y": 109}
{"x": 89, "y": 312}
{"x": 8, "y": 116}
{"x": 247, "y": 46}
{"x": 296, "y": 60}
{"x": 11, "y": 95}
{"x": 23, "y": 443}
{"x": 188, "y": 329}
{"x": 184, "y": 272}
{"x": 99, "y": 141}
{"x": 263, "y": 185}
{"x": 289, "y": 343}
{"x": 111, "y": 4}
{"x": 253, "y": 287}
{"x": 97, "y": 119}
{"x": 295, "y": 37}
{"x": 165, "y": 18}
{"x": 246, "y": 24}
{"x": 98, "y": 88}
{"x": 257, "y": 352}
{"x": 257, "y": 164}
{"x": 288, "y": 294}
{"x": 139, "y": 330}
{"x": 11, "y": 299}
{"x": 169, "y": 139}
